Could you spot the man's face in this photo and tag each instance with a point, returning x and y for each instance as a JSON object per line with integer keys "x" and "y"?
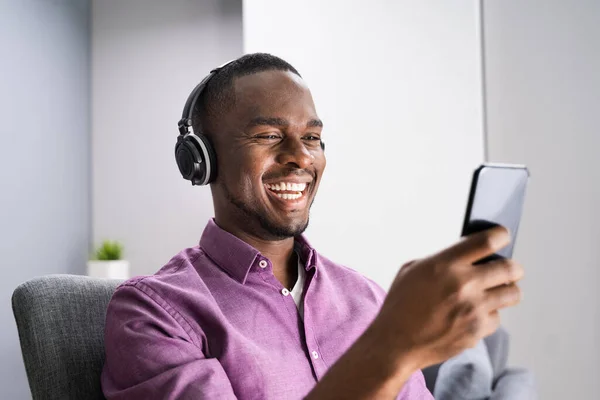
{"x": 270, "y": 160}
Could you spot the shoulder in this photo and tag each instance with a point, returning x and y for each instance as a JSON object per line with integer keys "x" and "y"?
{"x": 179, "y": 269}
{"x": 166, "y": 299}
{"x": 176, "y": 280}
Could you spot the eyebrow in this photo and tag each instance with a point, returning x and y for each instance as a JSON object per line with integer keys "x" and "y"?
{"x": 280, "y": 122}
{"x": 314, "y": 123}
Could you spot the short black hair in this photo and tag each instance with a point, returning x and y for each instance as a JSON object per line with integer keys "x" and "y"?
{"x": 216, "y": 95}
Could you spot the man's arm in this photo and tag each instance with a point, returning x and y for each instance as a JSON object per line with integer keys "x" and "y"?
{"x": 151, "y": 352}
{"x": 368, "y": 370}
{"x": 436, "y": 308}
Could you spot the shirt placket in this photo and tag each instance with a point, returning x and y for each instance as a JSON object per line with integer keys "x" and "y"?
{"x": 310, "y": 330}
{"x": 311, "y": 347}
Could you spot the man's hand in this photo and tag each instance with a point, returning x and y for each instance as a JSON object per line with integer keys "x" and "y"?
{"x": 436, "y": 308}
{"x": 440, "y": 305}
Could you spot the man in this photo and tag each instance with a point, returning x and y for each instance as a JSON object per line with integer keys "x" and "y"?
{"x": 254, "y": 312}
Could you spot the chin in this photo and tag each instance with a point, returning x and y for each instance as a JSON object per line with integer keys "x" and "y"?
{"x": 284, "y": 230}
{"x": 275, "y": 223}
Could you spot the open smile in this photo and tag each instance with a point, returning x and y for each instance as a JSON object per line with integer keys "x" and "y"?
{"x": 288, "y": 193}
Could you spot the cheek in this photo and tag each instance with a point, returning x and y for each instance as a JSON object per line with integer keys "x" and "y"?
{"x": 320, "y": 164}
{"x": 246, "y": 174}
{"x": 240, "y": 181}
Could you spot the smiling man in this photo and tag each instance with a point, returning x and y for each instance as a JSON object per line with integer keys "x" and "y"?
{"x": 254, "y": 311}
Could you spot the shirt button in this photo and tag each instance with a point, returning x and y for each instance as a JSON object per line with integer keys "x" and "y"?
{"x": 285, "y": 292}
{"x": 262, "y": 264}
{"x": 315, "y": 355}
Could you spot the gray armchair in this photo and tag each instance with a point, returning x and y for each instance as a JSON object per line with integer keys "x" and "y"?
{"x": 60, "y": 319}
{"x": 481, "y": 373}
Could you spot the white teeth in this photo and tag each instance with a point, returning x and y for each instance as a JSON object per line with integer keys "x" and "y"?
{"x": 296, "y": 187}
{"x": 289, "y": 196}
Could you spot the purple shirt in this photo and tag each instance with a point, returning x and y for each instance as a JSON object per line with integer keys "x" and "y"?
{"x": 215, "y": 323}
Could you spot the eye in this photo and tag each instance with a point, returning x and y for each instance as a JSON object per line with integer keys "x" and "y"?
{"x": 268, "y": 136}
{"x": 312, "y": 140}
{"x": 312, "y": 137}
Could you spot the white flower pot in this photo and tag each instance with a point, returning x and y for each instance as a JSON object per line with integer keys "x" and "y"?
{"x": 118, "y": 269}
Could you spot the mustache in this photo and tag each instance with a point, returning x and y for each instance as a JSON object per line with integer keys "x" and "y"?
{"x": 288, "y": 173}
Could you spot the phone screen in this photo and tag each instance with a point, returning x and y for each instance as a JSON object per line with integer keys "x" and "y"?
{"x": 497, "y": 197}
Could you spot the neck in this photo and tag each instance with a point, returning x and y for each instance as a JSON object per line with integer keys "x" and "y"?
{"x": 279, "y": 252}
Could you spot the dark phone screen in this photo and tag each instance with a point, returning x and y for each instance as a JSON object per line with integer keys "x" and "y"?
{"x": 498, "y": 197}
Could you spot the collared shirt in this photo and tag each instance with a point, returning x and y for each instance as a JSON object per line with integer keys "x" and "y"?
{"x": 215, "y": 323}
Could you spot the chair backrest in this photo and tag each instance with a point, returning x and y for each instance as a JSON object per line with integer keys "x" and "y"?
{"x": 469, "y": 365}
{"x": 60, "y": 319}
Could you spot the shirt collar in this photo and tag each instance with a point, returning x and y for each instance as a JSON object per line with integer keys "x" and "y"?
{"x": 308, "y": 255}
{"x": 237, "y": 257}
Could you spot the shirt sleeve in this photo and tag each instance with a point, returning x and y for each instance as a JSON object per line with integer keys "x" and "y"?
{"x": 415, "y": 389}
{"x": 152, "y": 352}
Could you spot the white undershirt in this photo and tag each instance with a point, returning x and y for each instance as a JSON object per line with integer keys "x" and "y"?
{"x": 298, "y": 288}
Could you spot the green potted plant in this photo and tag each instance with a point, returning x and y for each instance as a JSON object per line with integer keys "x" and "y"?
{"x": 107, "y": 261}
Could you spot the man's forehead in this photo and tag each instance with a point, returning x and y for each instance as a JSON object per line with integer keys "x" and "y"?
{"x": 269, "y": 83}
{"x": 272, "y": 94}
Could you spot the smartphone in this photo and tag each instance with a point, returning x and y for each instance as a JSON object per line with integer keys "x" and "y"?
{"x": 496, "y": 198}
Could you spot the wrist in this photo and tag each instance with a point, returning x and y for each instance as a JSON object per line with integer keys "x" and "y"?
{"x": 392, "y": 362}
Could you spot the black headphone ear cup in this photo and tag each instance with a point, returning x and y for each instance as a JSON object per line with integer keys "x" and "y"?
{"x": 196, "y": 159}
{"x": 188, "y": 158}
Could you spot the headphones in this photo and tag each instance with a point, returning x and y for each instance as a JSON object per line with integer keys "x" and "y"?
{"x": 194, "y": 154}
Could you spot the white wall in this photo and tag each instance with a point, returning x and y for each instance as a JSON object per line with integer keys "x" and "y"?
{"x": 147, "y": 56}
{"x": 44, "y": 156}
{"x": 543, "y": 101}
{"x": 398, "y": 86}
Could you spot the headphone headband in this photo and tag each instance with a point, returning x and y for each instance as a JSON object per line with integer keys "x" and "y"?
{"x": 185, "y": 123}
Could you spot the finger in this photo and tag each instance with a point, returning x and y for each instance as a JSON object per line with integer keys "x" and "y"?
{"x": 499, "y": 272}
{"x": 479, "y": 245}
{"x": 502, "y": 296}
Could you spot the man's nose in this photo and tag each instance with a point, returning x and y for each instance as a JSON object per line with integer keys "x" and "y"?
{"x": 294, "y": 153}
